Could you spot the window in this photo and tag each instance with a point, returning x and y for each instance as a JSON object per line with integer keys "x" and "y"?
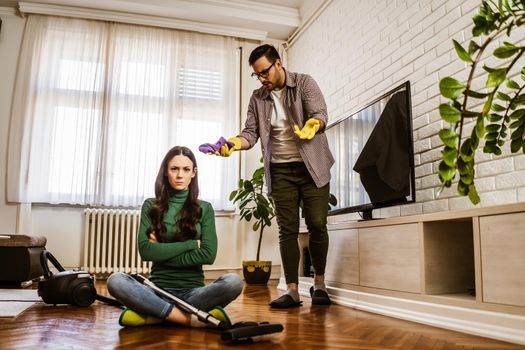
{"x": 106, "y": 101}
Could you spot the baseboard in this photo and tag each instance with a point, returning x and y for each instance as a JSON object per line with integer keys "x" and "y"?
{"x": 482, "y": 323}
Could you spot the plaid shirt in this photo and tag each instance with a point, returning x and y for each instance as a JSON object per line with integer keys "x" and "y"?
{"x": 302, "y": 100}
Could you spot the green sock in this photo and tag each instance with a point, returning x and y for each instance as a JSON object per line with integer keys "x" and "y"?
{"x": 220, "y": 314}
{"x": 129, "y": 318}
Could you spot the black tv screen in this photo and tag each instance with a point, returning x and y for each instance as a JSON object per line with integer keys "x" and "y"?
{"x": 374, "y": 156}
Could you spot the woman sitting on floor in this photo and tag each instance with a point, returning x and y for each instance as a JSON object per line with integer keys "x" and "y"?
{"x": 177, "y": 233}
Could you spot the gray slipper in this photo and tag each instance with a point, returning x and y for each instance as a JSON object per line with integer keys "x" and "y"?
{"x": 319, "y": 297}
{"x": 285, "y": 301}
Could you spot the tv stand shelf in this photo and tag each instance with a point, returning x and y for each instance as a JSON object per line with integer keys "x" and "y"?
{"x": 469, "y": 262}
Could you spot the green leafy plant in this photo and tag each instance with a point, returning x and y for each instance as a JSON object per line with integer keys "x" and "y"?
{"x": 253, "y": 203}
{"x": 502, "y": 99}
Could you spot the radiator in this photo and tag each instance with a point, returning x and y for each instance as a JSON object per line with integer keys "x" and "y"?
{"x": 110, "y": 242}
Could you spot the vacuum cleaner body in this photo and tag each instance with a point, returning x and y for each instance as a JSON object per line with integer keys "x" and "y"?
{"x": 68, "y": 287}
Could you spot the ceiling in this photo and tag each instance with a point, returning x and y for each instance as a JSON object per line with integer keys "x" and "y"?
{"x": 278, "y": 18}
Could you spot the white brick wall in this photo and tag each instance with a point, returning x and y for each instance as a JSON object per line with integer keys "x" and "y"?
{"x": 357, "y": 50}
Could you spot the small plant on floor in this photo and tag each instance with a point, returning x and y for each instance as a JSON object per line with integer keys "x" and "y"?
{"x": 253, "y": 203}
{"x": 502, "y": 98}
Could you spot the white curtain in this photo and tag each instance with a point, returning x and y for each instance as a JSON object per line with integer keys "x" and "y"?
{"x": 97, "y": 105}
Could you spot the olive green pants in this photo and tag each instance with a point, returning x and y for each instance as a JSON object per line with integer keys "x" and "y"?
{"x": 291, "y": 183}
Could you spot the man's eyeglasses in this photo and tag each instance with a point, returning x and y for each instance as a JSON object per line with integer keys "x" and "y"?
{"x": 263, "y": 73}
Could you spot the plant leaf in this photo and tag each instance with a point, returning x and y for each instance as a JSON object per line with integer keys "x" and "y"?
{"x": 496, "y": 77}
{"x": 480, "y": 127}
{"x": 516, "y": 123}
{"x": 517, "y": 114}
{"x": 466, "y": 150}
{"x": 461, "y": 52}
{"x": 473, "y": 47}
{"x": 451, "y": 88}
{"x": 475, "y": 94}
{"x": 487, "y": 105}
{"x": 511, "y": 84}
{"x": 449, "y": 113}
{"x": 520, "y": 99}
{"x": 492, "y": 128}
{"x": 259, "y": 172}
{"x": 450, "y": 155}
{"x": 515, "y": 145}
{"x": 488, "y": 69}
{"x": 446, "y": 172}
{"x": 449, "y": 137}
{"x": 464, "y": 167}
{"x": 248, "y": 185}
{"x": 493, "y": 117}
{"x": 518, "y": 133}
{"x": 462, "y": 188}
{"x": 480, "y": 24}
{"x": 502, "y": 96}
{"x": 492, "y": 148}
{"x": 491, "y": 136}
{"x": 470, "y": 114}
{"x": 261, "y": 209}
{"x": 506, "y": 50}
{"x": 473, "y": 194}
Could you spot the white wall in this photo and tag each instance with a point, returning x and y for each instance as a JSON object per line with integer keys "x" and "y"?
{"x": 357, "y": 50}
{"x": 10, "y": 39}
{"x": 63, "y": 225}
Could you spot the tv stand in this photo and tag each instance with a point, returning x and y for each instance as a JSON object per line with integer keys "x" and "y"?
{"x": 460, "y": 270}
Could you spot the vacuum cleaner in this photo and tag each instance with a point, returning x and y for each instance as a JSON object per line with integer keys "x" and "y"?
{"x": 68, "y": 287}
{"x": 242, "y": 331}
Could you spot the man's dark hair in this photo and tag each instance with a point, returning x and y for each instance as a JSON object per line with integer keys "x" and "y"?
{"x": 265, "y": 50}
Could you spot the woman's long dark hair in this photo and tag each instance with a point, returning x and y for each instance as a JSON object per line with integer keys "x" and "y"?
{"x": 190, "y": 213}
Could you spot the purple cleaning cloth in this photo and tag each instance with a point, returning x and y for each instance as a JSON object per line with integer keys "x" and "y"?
{"x": 215, "y": 147}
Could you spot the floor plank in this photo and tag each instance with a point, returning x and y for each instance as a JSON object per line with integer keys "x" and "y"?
{"x": 307, "y": 327}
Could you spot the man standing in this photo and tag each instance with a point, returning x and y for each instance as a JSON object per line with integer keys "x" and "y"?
{"x": 288, "y": 113}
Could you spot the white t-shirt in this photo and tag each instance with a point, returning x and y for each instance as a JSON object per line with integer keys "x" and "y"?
{"x": 284, "y": 148}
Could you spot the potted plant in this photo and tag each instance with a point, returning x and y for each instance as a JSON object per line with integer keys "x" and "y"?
{"x": 501, "y": 101}
{"x": 253, "y": 203}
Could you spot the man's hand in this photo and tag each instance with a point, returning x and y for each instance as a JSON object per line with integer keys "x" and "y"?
{"x": 227, "y": 150}
{"x": 308, "y": 131}
{"x": 214, "y": 148}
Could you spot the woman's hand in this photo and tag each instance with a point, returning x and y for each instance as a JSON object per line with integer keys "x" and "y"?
{"x": 153, "y": 237}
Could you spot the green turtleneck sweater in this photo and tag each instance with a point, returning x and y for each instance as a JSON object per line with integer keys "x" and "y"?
{"x": 178, "y": 264}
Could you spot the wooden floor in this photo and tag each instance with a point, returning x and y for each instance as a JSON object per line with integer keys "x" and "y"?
{"x": 307, "y": 327}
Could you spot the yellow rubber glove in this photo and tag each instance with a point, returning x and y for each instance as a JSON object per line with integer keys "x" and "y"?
{"x": 308, "y": 131}
{"x": 227, "y": 151}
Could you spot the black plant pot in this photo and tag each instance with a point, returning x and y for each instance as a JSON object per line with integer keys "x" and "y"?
{"x": 256, "y": 272}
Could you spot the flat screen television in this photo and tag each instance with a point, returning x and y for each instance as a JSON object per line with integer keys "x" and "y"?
{"x": 374, "y": 155}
